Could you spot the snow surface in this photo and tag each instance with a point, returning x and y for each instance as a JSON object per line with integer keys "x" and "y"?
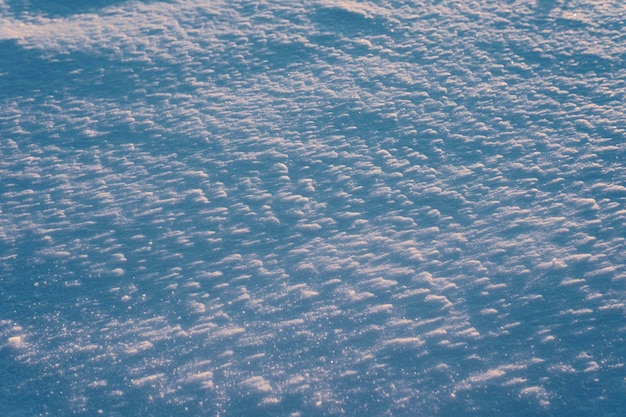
{"x": 312, "y": 208}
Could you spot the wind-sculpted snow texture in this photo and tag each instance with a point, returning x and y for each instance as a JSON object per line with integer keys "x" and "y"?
{"x": 312, "y": 208}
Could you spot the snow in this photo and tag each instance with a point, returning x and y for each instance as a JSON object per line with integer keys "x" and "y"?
{"x": 312, "y": 208}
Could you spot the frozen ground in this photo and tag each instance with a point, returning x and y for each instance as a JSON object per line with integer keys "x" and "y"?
{"x": 312, "y": 208}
